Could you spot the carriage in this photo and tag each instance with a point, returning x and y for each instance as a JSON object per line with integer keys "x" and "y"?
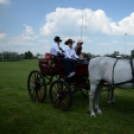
{"x": 51, "y": 78}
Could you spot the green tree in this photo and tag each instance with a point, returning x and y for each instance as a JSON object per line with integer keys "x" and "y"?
{"x": 132, "y": 53}
{"x": 28, "y": 55}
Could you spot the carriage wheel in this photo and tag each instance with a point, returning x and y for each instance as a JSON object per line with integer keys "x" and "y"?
{"x": 60, "y": 95}
{"x": 36, "y": 86}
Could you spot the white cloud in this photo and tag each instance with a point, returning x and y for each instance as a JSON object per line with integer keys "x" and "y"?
{"x": 130, "y": 44}
{"x": 44, "y": 41}
{"x": 4, "y": 2}
{"x": 127, "y": 24}
{"x": 114, "y": 42}
{"x": 87, "y": 40}
{"x": 63, "y": 21}
{"x": 28, "y": 30}
{"x": 68, "y": 21}
{"x": 103, "y": 44}
{"x": 1, "y": 43}
{"x": 2, "y": 36}
{"x": 19, "y": 41}
{"x": 25, "y": 38}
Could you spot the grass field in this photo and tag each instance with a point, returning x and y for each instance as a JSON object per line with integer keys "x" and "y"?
{"x": 19, "y": 115}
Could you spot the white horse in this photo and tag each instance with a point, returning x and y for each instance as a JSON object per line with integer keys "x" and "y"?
{"x": 100, "y": 71}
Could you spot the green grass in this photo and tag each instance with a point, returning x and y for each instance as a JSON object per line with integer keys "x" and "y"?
{"x": 19, "y": 115}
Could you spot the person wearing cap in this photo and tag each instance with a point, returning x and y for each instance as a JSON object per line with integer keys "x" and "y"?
{"x": 70, "y": 51}
{"x": 78, "y": 48}
{"x": 84, "y": 58}
{"x": 70, "y": 54}
{"x": 56, "y": 50}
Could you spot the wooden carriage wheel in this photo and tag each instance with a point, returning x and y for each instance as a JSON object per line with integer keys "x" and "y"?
{"x": 36, "y": 86}
{"x": 60, "y": 95}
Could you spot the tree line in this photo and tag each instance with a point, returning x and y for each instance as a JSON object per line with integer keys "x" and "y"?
{"x": 14, "y": 56}
{"x": 114, "y": 54}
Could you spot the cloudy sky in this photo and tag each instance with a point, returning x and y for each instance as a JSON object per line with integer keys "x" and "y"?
{"x": 32, "y": 24}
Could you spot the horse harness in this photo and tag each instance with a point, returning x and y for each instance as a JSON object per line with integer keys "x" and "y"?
{"x": 129, "y": 81}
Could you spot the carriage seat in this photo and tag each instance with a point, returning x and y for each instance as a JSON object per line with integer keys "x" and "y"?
{"x": 56, "y": 60}
{"x": 58, "y": 67}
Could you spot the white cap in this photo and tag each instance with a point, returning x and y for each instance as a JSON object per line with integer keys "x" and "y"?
{"x": 79, "y": 42}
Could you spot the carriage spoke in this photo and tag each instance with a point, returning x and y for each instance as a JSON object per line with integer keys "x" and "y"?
{"x": 37, "y": 76}
{"x": 40, "y": 93}
{"x": 64, "y": 102}
{"x": 32, "y": 79}
{"x": 59, "y": 103}
{"x": 37, "y": 96}
{"x": 57, "y": 88}
{"x": 41, "y": 84}
{"x": 55, "y": 101}
{"x": 34, "y": 95}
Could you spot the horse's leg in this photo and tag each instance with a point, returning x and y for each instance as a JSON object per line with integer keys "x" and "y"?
{"x": 97, "y": 95}
{"x": 92, "y": 91}
{"x": 111, "y": 95}
{"x": 109, "y": 92}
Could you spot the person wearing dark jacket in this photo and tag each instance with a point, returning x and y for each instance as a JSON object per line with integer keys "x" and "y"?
{"x": 78, "y": 48}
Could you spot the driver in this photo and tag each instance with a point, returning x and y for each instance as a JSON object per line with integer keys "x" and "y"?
{"x": 56, "y": 49}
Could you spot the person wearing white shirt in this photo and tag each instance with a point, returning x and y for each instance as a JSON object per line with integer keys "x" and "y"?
{"x": 70, "y": 53}
{"x": 56, "y": 50}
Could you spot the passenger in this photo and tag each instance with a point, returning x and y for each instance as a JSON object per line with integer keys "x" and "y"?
{"x": 56, "y": 50}
{"x": 84, "y": 58}
{"x": 70, "y": 53}
{"x": 78, "y": 48}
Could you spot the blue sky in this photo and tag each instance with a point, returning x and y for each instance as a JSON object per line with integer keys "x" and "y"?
{"x": 32, "y": 24}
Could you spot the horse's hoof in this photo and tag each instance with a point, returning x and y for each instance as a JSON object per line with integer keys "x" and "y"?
{"x": 93, "y": 116}
{"x": 99, "y": 112}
